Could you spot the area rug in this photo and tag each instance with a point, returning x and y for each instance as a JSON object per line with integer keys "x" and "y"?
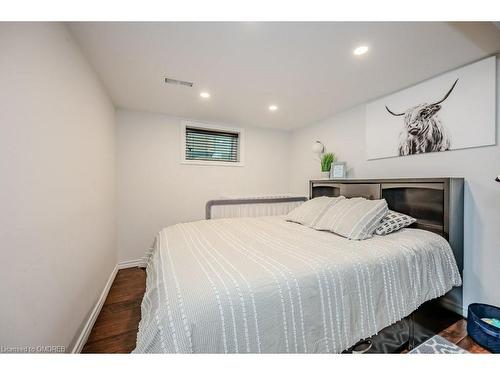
{"x": 438, "y": 345}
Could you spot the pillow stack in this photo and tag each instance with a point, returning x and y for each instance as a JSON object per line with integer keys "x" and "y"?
{"x": 309, "y": 212}
{"x": 355, "y": 218}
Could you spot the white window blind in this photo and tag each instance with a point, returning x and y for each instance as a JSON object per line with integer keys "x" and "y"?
{"x": 212, "y": 145}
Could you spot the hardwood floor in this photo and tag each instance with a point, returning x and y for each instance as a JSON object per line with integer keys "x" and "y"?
{"x": 115, "y": 330}
{"x": 457, "y": 334}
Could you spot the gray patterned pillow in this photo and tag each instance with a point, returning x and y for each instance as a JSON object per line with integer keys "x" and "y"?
{"x": 355, "y": 218}
{"x": 309, "y": 212}
{"x": 393, "y": 222}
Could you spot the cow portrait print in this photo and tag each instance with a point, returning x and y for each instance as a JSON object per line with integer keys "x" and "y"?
{"x": 423, "y": 130}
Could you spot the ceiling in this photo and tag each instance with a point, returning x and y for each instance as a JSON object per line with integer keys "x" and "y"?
{"x": 307, "y": 69}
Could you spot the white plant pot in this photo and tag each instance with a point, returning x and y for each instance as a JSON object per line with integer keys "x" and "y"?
{"x": 325, "y": 175}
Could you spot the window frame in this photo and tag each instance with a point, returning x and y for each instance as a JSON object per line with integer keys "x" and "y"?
{"x": 213, "y": 127}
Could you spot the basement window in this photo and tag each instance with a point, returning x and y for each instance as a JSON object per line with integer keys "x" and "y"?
{"x": 208, "y": 144}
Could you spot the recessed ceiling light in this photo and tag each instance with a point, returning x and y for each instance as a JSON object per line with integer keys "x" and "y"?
{"x": 205, "y": 95}
{"x": 273, "y": 107}
{"x": 361, "y": 50}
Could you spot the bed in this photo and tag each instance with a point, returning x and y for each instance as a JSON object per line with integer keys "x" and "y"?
{"x": 265, "y": 285}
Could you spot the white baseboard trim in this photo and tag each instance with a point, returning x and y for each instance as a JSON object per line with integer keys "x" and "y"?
{"x": 87, "y": 328}
{"x": 465, "y": 312}
{"x": 131, "y": 263}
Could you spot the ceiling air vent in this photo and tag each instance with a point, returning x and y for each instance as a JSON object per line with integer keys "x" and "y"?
{"x": 177, "y": 82}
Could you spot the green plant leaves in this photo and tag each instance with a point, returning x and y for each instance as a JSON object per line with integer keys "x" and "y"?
{"x": 326, "y": 161}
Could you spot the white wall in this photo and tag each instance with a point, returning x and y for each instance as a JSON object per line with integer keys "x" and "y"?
{"x": 155, "y": 190}
{"x": 344, "y": 134}
{"x": 57, "y": 228}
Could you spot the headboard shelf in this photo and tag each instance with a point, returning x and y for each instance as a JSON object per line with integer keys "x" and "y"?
{"x": 437, "y": 203}
{"x": 383, "y": 180}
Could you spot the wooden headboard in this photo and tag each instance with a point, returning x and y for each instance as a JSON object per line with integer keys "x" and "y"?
{"x": 436, "y": 203}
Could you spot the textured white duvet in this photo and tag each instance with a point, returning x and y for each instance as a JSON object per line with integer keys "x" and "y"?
{"x": 267, "y": 285}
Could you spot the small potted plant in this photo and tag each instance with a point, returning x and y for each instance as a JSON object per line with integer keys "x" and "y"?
{"x": 326, "y": 164}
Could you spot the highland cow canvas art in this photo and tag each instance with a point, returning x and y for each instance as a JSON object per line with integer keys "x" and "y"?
{"x": 452, "y": 111}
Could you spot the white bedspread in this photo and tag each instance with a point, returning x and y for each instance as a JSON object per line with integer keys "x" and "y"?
{"x": 267, "y": 285}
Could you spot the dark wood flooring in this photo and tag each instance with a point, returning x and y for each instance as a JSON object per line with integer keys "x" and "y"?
{"x": 457, "y": 334}
{"x": 115, "y": 330}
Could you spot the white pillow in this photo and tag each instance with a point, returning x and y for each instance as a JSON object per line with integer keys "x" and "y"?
{"x": 394, "y": 221}
{"x": 309, "y": 212}
{"x": 355, "y": 218}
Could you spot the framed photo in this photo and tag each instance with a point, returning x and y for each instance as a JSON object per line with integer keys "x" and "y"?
{"x": 338, "y": 170}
